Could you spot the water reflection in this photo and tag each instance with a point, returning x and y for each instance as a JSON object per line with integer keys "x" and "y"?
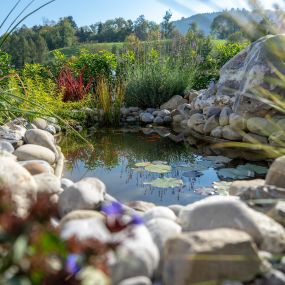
{"x": 113, "y": 159}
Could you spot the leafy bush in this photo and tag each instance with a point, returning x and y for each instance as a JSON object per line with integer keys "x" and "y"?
{"x": 209, "y": 68}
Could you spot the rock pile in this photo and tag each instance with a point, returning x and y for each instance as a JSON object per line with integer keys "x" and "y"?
{"x": 231, "y": 110}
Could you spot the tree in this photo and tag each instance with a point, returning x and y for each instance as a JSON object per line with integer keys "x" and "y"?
{"x": 167, "y": 26}
{"x": 141, "y": 28}
{"x": 224, "y": 25}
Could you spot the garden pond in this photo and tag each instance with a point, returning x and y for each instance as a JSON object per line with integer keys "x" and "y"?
{"x": 153, "y": 168}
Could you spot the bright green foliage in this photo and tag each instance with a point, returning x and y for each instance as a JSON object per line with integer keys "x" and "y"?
{"x": 103, "y": 63}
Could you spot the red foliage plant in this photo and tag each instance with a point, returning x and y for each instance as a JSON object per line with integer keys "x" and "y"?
{"x": 74, "y": 87}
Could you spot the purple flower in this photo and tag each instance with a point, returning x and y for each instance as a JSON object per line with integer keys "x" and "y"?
{"x": 136, "y": 220}
{"x": 113, "y": 209}
{"x": 72, "y": 264}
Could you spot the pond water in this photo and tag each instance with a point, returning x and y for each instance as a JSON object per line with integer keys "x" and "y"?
{"x": 115, "y": 156}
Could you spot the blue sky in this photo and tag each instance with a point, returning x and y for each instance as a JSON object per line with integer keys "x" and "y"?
{"x": 90, "y": 11}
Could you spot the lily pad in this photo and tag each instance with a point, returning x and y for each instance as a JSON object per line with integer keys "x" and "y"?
{"x": 255, "y": 168}
{"x": 197, "y": 166}
{"x": 165, "y": 182}
{"x": 159, "y": 162}
{"x": 235, "y": 173}
{"x": 142, "y": 164}
{"x": 158, "y": 168}
{"x": 219, "y": 159}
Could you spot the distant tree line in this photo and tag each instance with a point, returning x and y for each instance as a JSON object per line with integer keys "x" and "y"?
{"x": 31, "y": 45}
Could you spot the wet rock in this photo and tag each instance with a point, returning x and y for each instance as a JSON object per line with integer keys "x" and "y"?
{"x": 253, "y": 138}
{"x": 173, "y": 103}
{"x": 147, "y": 118}
{"x": 140, "y": 280}
{"x": 186, "y": 261}
{"x": 87, "y": 194}
{"x": 42, "y": 138}
{"x": 211, "y": 124}
{"x": 238, "y": 187}
{"x": 276, "y": 174}
{"x": 237, "y": 122}
{"x": 35, "y": 152}
{"x": 48, "y": 183}
{"x": 260, "y": 126}
{"x": 217, "y": 132}
{"x": 224, "y": 119}
{"x": 159, "y": 212}
{"x": 229, "y": 212}
{"x": 40, "y": 123}
{"x": 6, "y": 146}
{"x": 230, "y": 134}
{"x": 19, "y": 182}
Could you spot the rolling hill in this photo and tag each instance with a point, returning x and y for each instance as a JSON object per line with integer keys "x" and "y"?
{"x": 203, "y": 21}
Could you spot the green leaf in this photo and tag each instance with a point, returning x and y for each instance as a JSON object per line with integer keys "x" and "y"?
{"x": 165, "y": 182}
{"x": 235, "y": 173}
{"x": 255, "y": 168}
{"x": 197, "y": 166}
{"x": 142, "y": 164}
{"x": 158, "y": 168}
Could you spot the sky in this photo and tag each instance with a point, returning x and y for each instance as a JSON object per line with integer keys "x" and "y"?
{"x": 86, "y": 12}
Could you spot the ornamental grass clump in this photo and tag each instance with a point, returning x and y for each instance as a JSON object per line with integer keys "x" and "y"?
{"x": 73, "y": 87}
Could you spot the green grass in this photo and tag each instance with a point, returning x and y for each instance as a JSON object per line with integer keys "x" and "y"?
{"x": 113, "y": 46}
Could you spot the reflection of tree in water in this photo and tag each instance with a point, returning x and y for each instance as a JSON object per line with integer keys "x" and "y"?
{"x": 111, "y": 146}
{"x": 117, "y": 149}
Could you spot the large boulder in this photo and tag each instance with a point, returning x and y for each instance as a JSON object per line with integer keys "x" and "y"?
{"x": 211, "y": 124}
{"x": 248, "y": 70}
{"x": 210, "y": 257}
{"x": 229, "y": 212}
{"x": 261, "y": 126}
{"x": 87, "y": 194}
{"x": 173, "y": 103}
